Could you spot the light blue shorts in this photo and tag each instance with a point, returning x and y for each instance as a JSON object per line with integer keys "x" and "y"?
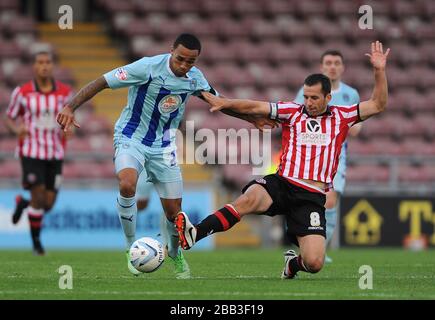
{"x": 161, "y": 166}
{"x": 143, "y": 187}
{"x": 340, "y": 177}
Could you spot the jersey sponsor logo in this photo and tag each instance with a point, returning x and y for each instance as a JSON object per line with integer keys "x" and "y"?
{"x": 313, "y": 134}
{"x": 121, "y": 74}
{"x": 170, "y": 103}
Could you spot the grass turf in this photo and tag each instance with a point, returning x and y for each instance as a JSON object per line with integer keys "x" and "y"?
{"x": 241, "y": 274}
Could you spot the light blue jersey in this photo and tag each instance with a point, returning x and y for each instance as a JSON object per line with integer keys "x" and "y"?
{"x": 344, "y": 96}
{"x": 156, "y": 100}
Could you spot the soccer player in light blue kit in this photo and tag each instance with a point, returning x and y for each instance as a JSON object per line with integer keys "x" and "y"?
{"x": 332, "y": 65}
{"x": 144, "y": 138}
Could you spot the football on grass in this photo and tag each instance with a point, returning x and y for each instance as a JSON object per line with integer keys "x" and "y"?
{"x": 147, "y": 254}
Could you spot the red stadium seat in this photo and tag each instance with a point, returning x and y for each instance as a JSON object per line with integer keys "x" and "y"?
{"x": 9, "y": 49}
{"x": 10, "y": 169}
{"x": 357, "y": 147}
{"x": 338, "y": 8}
{"x": 278, "y": 7}
{"x": 368, "y": 173}
{"x": 212, "y": 7}
{"x": 247, "y": 7}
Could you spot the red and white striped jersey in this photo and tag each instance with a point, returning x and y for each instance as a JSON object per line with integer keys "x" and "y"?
{"x": 38, "y": 110}
{"x": 311, "y": 146}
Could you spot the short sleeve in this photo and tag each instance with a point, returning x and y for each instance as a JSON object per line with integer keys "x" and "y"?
{"x": 283, "y": 110}
{"x": 350, "y": 114}
{"x": 300, "y": 96}
{"x": 203, "y": 85}
{"x": 132, "y": 74}
{"x": 15, "y": 106}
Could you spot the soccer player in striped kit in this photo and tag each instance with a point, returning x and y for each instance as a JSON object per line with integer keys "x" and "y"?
{"x": 332, "y": 66}
{"x": 41, "y": 143}
{"x": 312, "y": 138}
{"x": 159, "y": 88}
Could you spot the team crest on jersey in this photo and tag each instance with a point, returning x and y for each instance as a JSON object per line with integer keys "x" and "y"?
{"x": 193, "y": 84}
{"x": 121, "y": 74}
{"x": 170, "y": 103}
{"x": 313, "y": 134}
{"x": 346, "y": 97}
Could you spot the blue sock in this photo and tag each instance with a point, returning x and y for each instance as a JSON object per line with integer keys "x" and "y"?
{"x": 172, "y": 238}
{"x": 331, "y": 221}
{"x": 127, "y": 211}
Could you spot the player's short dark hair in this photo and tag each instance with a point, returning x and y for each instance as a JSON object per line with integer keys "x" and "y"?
{"x": 38, "y": 53}
{"x": 316, "y": 78}
{"x": 332, "y": 53}
{"x": 189, "y": 41}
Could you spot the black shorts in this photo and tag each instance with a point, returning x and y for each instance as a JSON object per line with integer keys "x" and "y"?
{"x": 46, "y": 172}
{"x": 304, "y": 210}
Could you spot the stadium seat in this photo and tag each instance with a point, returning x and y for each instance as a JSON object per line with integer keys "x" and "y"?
{"x": 367, "y": 173}
{"x": 212, "y": 7}
{"x": 357, "y": 147}
{"x": 21, "y": 75}
{"x": 338, "y": 8}
{"x": 10, "y": 169}
{"x": 10, "y": 49}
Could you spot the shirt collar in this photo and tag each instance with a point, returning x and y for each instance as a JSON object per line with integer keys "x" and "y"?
{"x": 53, "y": 83}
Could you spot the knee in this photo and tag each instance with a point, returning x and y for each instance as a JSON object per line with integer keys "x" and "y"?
{"x": 127, "y": 188}
{"x": 313, "y": 263}
{"x": 38, "y": 202}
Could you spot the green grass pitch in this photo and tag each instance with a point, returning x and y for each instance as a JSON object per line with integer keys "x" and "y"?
{"x": 240, "y": 274}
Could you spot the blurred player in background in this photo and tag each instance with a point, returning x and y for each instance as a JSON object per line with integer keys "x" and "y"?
{"x": 144, "y": 139}
{"x": 41, "y": 143}
{"x": 312, "y": 138}
{"x": 332, "y": 66}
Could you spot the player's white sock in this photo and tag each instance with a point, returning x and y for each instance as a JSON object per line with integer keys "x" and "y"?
{"x": 127, "y": 211}
{"x": 172, "y": 238}
{"x": 331, "y": 219}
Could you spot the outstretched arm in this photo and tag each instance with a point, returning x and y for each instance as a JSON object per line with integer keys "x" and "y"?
{"x": 241, "y": 106}
{"x": 378, "y": 101}
{"x": 66, "y": 117}
{"x": 258, "y": 121}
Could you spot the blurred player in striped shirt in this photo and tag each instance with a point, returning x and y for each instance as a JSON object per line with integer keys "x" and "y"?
{"x": 41, "y": 143}
{"x": 312, "y": 138}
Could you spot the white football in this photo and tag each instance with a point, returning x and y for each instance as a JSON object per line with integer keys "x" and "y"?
{"x": 147, "y": 254}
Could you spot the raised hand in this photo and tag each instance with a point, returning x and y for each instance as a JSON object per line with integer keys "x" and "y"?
{"x": 65, "y": 119}
{"x": 378, "y": 58}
